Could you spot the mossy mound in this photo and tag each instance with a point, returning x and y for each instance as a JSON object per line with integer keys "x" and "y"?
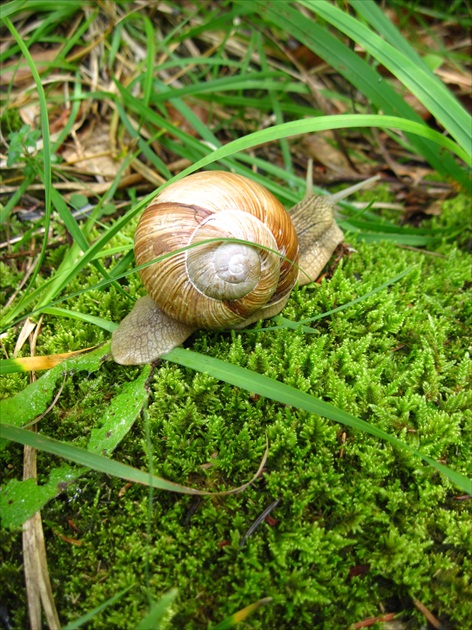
{"x": 360, "y": 527}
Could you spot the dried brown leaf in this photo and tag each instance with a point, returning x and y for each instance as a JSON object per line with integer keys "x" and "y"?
{"x": 93, "y": 152}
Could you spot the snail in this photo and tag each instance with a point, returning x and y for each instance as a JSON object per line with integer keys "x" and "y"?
{"x": 219, "y": 284}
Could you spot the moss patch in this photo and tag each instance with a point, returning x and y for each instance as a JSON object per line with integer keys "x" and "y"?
{"x": 361, "y": 527}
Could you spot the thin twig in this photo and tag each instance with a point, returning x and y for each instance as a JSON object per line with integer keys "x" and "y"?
{"x": 258, "y": 521}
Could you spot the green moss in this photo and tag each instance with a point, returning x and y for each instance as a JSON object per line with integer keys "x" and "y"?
{"x": 360, "y": 528}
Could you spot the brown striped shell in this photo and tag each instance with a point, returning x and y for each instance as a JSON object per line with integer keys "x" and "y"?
{"x": 217, "y": 284}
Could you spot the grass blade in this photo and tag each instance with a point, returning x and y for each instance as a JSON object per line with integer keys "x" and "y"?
{"x": 424, "y": 85}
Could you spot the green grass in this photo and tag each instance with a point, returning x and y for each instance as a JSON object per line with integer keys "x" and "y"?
{"x": 349, "y": 402}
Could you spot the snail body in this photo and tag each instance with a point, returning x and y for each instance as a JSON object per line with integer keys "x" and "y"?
{"x": 218, "y": 284}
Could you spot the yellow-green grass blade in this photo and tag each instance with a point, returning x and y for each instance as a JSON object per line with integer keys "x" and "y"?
{"x": 323, "y": 123}
{"x": 241, "y": 615}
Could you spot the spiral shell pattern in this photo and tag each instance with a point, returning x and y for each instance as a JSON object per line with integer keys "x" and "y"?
{"x": 215, "y": 283}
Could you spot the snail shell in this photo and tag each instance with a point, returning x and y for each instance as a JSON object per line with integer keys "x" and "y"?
{"x": 217, "y": 284}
